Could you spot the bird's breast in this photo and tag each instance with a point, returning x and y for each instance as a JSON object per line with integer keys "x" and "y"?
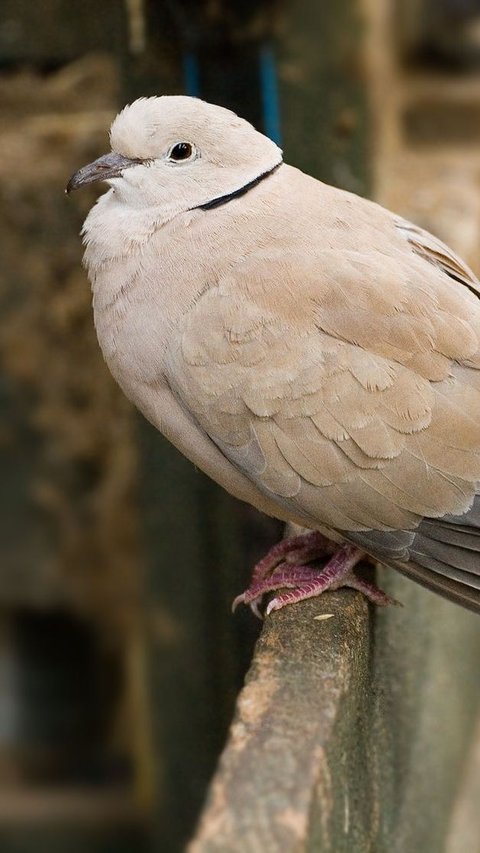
{"x": 141, "y": 295}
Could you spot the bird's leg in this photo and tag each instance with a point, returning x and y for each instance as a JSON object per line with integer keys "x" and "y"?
{"x": 285, "y": 576}
{"x": 333, "y": 574}
{"x": 294, "y": 549}
{"x": 303, "y": 581}
{"x": 291, "y": 551}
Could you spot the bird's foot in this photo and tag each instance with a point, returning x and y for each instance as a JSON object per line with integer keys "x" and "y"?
{"x": 291, "y": 552}
{"x": 295, "y": 550}
{"x": 302, "y": 581}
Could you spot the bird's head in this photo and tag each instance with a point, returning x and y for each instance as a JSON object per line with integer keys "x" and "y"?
{"x": 179, "y": 152}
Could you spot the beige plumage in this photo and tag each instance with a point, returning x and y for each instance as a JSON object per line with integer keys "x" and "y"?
{"x": 316, "y": 355}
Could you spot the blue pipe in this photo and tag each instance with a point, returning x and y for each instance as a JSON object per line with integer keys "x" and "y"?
{"x": 269, "y": 94}
{"x": 191, "y": 74}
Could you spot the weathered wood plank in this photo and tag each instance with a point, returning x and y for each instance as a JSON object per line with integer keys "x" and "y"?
{"x": 351, "y": 732}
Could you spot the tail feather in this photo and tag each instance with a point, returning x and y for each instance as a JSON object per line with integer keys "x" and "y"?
{"x": 445, "y": 570}
{"x": 460, "y": 593}
{"x": 442, "y": 554}
{"x": 452, "y": 534}
{"x": 469, "y": 519}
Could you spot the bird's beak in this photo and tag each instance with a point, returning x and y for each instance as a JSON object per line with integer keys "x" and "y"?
{"x": 109, "y": 166}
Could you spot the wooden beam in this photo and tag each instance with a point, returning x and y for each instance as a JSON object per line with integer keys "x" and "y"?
{"x": 352, "y": 728}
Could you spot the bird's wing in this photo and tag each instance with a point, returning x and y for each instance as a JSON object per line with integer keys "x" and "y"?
{"x": 346, "y": 385}
{"x": 343, "y": 384}
{"x": 437, "y": 253}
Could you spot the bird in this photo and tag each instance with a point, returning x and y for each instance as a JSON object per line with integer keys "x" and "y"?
{"x": 315, "y": 354}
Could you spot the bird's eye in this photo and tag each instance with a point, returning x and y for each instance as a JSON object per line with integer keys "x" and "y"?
{"x": 181, "y": 151}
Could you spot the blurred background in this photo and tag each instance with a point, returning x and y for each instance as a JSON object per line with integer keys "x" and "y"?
{"x": 119, "y": 658}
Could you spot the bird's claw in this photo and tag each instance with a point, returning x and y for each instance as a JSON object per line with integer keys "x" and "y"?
{"x": 300, "y": 581}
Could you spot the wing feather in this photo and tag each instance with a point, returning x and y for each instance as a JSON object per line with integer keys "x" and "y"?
{"x": 346, "y": 385}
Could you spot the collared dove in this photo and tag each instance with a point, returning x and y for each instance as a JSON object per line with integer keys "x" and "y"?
{"x": 315, "y": 354}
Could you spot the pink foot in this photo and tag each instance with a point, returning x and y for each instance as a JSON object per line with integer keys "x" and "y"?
{"x": 294, "y": 549}
{"x": 370, "y": 590}
{"x": 290, "y": 552}
{"x": 303, "y": 581}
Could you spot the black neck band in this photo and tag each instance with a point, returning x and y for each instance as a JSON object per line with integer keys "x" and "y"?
{"x": 222, "y": 199}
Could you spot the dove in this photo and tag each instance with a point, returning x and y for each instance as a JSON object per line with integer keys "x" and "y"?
{"x": 315, "y": 354}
